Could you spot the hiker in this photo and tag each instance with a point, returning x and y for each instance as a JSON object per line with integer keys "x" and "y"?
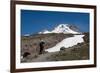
{"x": 26, "y": 54}
{"x": 41, "y": 45}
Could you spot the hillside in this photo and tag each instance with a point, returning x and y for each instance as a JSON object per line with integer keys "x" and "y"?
{"x": 76, "y": 52}
{"x": 79, "y": 51}
{"x": 31, "y": 43}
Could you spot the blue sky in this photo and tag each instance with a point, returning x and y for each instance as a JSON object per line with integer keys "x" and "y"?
{"x": 35, "y": 21}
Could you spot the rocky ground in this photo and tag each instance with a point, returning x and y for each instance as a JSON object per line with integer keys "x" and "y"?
{"x": 77, "y": 52}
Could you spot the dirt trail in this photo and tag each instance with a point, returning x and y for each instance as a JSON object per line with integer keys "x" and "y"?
{"x": 45, "y": 57}
{"x": 42, "y": 57}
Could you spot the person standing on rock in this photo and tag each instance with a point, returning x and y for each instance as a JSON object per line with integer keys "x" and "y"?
{"x": 41, "y": 45}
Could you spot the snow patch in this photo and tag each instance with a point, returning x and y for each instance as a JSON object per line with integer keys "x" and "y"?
{"x": 27, "y": 35}
{"x": 67, "y": 42}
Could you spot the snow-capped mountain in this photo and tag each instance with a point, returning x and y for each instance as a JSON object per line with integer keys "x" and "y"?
{"x": 62, "y": 28}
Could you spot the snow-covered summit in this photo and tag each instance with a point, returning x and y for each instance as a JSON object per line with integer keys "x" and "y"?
{"x": 61, "y": 28}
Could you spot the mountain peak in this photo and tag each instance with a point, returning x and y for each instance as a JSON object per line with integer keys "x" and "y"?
{"x": 62, "y": 25}
{"x": 62, "y": 28}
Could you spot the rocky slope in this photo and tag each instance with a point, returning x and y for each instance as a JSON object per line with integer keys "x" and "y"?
{"x": 31, "y": 43}
{"x": 76, "y": 52}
